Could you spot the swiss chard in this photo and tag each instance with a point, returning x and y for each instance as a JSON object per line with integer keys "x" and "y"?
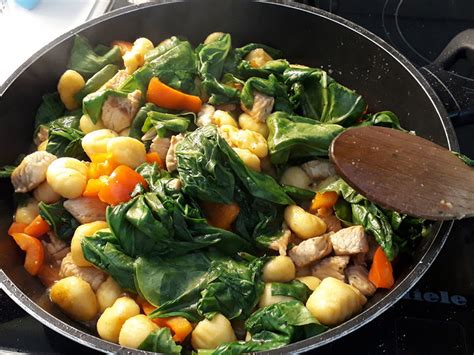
{"x": 295, "y": 289}
{"x": 99, "y": 79}
{"x": 271, "y": 87}
{"x": 293, "y": 137}
{"x": 88, "y": 61}
{"x": 92, "y": 103}
{"x": 64, "y": 139}
{"x": 167, "y": 124}
{"x": 60, "y": 220}
{"x": 160, "y": 341}
{"x": 51, "y": 108}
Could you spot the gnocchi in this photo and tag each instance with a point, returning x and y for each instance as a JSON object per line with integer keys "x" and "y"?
{"x": 96, "y": 142}
{"x": 334, "y": 301}
{"x": 87, "y": 126}
{"x": 136, "y": 56}
{"x": 83, "y": 231}
{"x": 75, "y": 297}
{"x": 250, "y": 140}
{"x": 267, "y": 299}
{"x": 222, "y": 118}
{"x": 249, "y": 123}
{"x": 45, "y": 193}
{"x": 305, "y": 225}
{"x": 111, "y": 321}
{"x": 295, "y": 176}
{"x": 279, "y": 269}
{"x": 209, "y": 334}
{"x": 126, "y": 150}
{"x": 249, "y": 159}
{"x": 107, "y": 293}
{"x": 70, "y": 83}
{"x": 135, "y": 330}
{"x": 27, "y": 213}
{"x": 67, "y": 177}
{"x": 311, "y": 281}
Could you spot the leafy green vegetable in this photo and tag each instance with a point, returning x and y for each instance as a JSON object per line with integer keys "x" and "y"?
{"x": 295, "y": 289}
{"x": 235, "y": 291}
{"x": 6, "y": 171}
{"x": 276, "y": 67}
{"x": 383, "y": 118}
{"x": 292, "y": 137}
{"x": 464, "y": 158}
{"x": 50, "y": 109}
{"x": 275, "y": 326}
{"x": 322, "y": 98}
{"x": 209, "y": 167}
{"x": 102, "y": 251}
{"x": 60, "y": 220}
{"x": 271, "y": 87}
{"x": 64, "y": 140}
{"x": 99, "y": 79}
{"x": 88, "y": 61}
{"x": 92, "y": 103}
{"x": 167, "y": 124}
{"x": 160, "y": 341}
{"x": 174, "y": 284}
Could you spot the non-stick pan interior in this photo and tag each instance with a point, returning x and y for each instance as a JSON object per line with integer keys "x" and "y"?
{"x": 307, "y": 38}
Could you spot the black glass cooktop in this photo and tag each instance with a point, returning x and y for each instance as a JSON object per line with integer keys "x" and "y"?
{"x": 437, "y": 315}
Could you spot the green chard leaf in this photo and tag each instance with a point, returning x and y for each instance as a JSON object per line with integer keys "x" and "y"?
{"x": 60, "y": 220}
{"x": 92, "y": 103}
{"x": 6, "y": 171}
{"x": 383, "y": 118}
{"x": 322, "y": 98}
{"x": 295, "y": 289}
{"x": 51, "y": 108}
{"x": 292, "y": 137}
{"x": 464, "y": 158}
{"x": 65, "y": 138}
{"x": 271, "y": 87}
{"x": 99, "y": 79}
{"x": 87, "y": 61}
{"x": 160, "y": 341}
{"x": 167, "y": 124}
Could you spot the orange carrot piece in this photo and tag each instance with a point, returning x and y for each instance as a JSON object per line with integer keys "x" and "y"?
{"x": 17, "y": 227}
{"x": 381, "y": 272}
{"x": 153, "y": 157}
{"x": 220, "y": 215}
{"x": 147, "y": 307}
{"x": 124, "y": 46}
{"x": 120, "y": 185}
{"x": 37, "y": 228}
{"x": 164, "y": 96}
{"x": 34, "y": 251}
{"x": 180, "y": 326}
{"x": 326, "y": 199}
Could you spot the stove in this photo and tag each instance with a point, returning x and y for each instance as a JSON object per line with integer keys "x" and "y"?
{"x": 437, "y": 315}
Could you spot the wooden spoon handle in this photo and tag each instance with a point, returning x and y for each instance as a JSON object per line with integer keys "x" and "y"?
{"x": 404, "y": 172}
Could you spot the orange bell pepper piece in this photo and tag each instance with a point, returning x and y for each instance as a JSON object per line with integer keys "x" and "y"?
{"x": 37, "y": 228}
{"x": 94, "y": 186}
{"x": 120, "y": 185}
{"x": 102, "y": 164}
{"x": 326, "y": 199}
{"x": 153, "y": 157}
{"x": 164, "y": 96}
{"x": 16, "y": 227}
{"x": 34, "y": 251}
{"x": 381, "y": 272}
{"x": 124, "y": 46}
{"x": 220, "y": 215}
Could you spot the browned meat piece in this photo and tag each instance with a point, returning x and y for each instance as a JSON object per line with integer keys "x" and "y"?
{"x": 117, "y": 80}
{"x": 55, "y": 249}
{"x": 358, "y": 276}
{"x": 175, "y": 184}
{"x": 205, "y": 115}
{"x": 258, "y": 57}
{"x": 281, "y": 243}
{"x": 303, "y": 271}
{"x": 119, "y": 112}
{"x": 86, "y": 209}
{"x": 42, "y": 135}
{"x": 160, "y": 146}
{"x": 318, "y": 169}
{"x": 262, "y": 107}
{"x": 331, "y": 267}
{"x": 171, "y": 155}
{"x": 32, "y": 171}
{"x": 89, "y": 274}
{"x": 332, "y": 222}
{"x": 310, "y": 250}
{"x": 350, "y": 240}
{"x": 359, "y": 259}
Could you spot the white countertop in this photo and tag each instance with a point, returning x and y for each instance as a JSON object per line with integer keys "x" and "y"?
{"x": 23, "y": 32}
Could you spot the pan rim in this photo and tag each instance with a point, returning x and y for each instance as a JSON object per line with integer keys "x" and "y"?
{"x": 432, "y": 250}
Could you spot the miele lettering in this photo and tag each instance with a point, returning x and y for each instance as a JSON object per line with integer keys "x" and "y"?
{"x": 436, "y": 297}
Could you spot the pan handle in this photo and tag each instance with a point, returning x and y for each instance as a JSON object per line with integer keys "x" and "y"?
{"x": 449, "y": 85}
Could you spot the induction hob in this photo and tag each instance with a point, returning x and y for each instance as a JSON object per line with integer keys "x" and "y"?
{"x": 437, "y": 315}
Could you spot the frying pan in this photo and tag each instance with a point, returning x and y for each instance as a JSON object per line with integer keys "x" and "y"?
{"x": 351, "y": 54}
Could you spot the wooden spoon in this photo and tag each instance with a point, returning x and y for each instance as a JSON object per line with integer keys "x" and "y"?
{"x": 404, "y": 172}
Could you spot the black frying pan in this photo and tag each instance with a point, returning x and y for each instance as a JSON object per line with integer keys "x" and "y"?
{"x": 357, "y": 59}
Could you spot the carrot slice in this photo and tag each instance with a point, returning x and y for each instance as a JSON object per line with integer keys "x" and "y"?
{"x": 164, "y": 96}
{"x": 381, "y": 272}
{"x": 37, "y": 228}
{"x": 326, "y": 199}
{"x": 120, "y": 185}
{"x": 34, "y": 251}
{"x": 220, "y": 215}
{"x": 180, "y": 326}
{"x": 153, "y": 157}
{"x": 16, "y": 227}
